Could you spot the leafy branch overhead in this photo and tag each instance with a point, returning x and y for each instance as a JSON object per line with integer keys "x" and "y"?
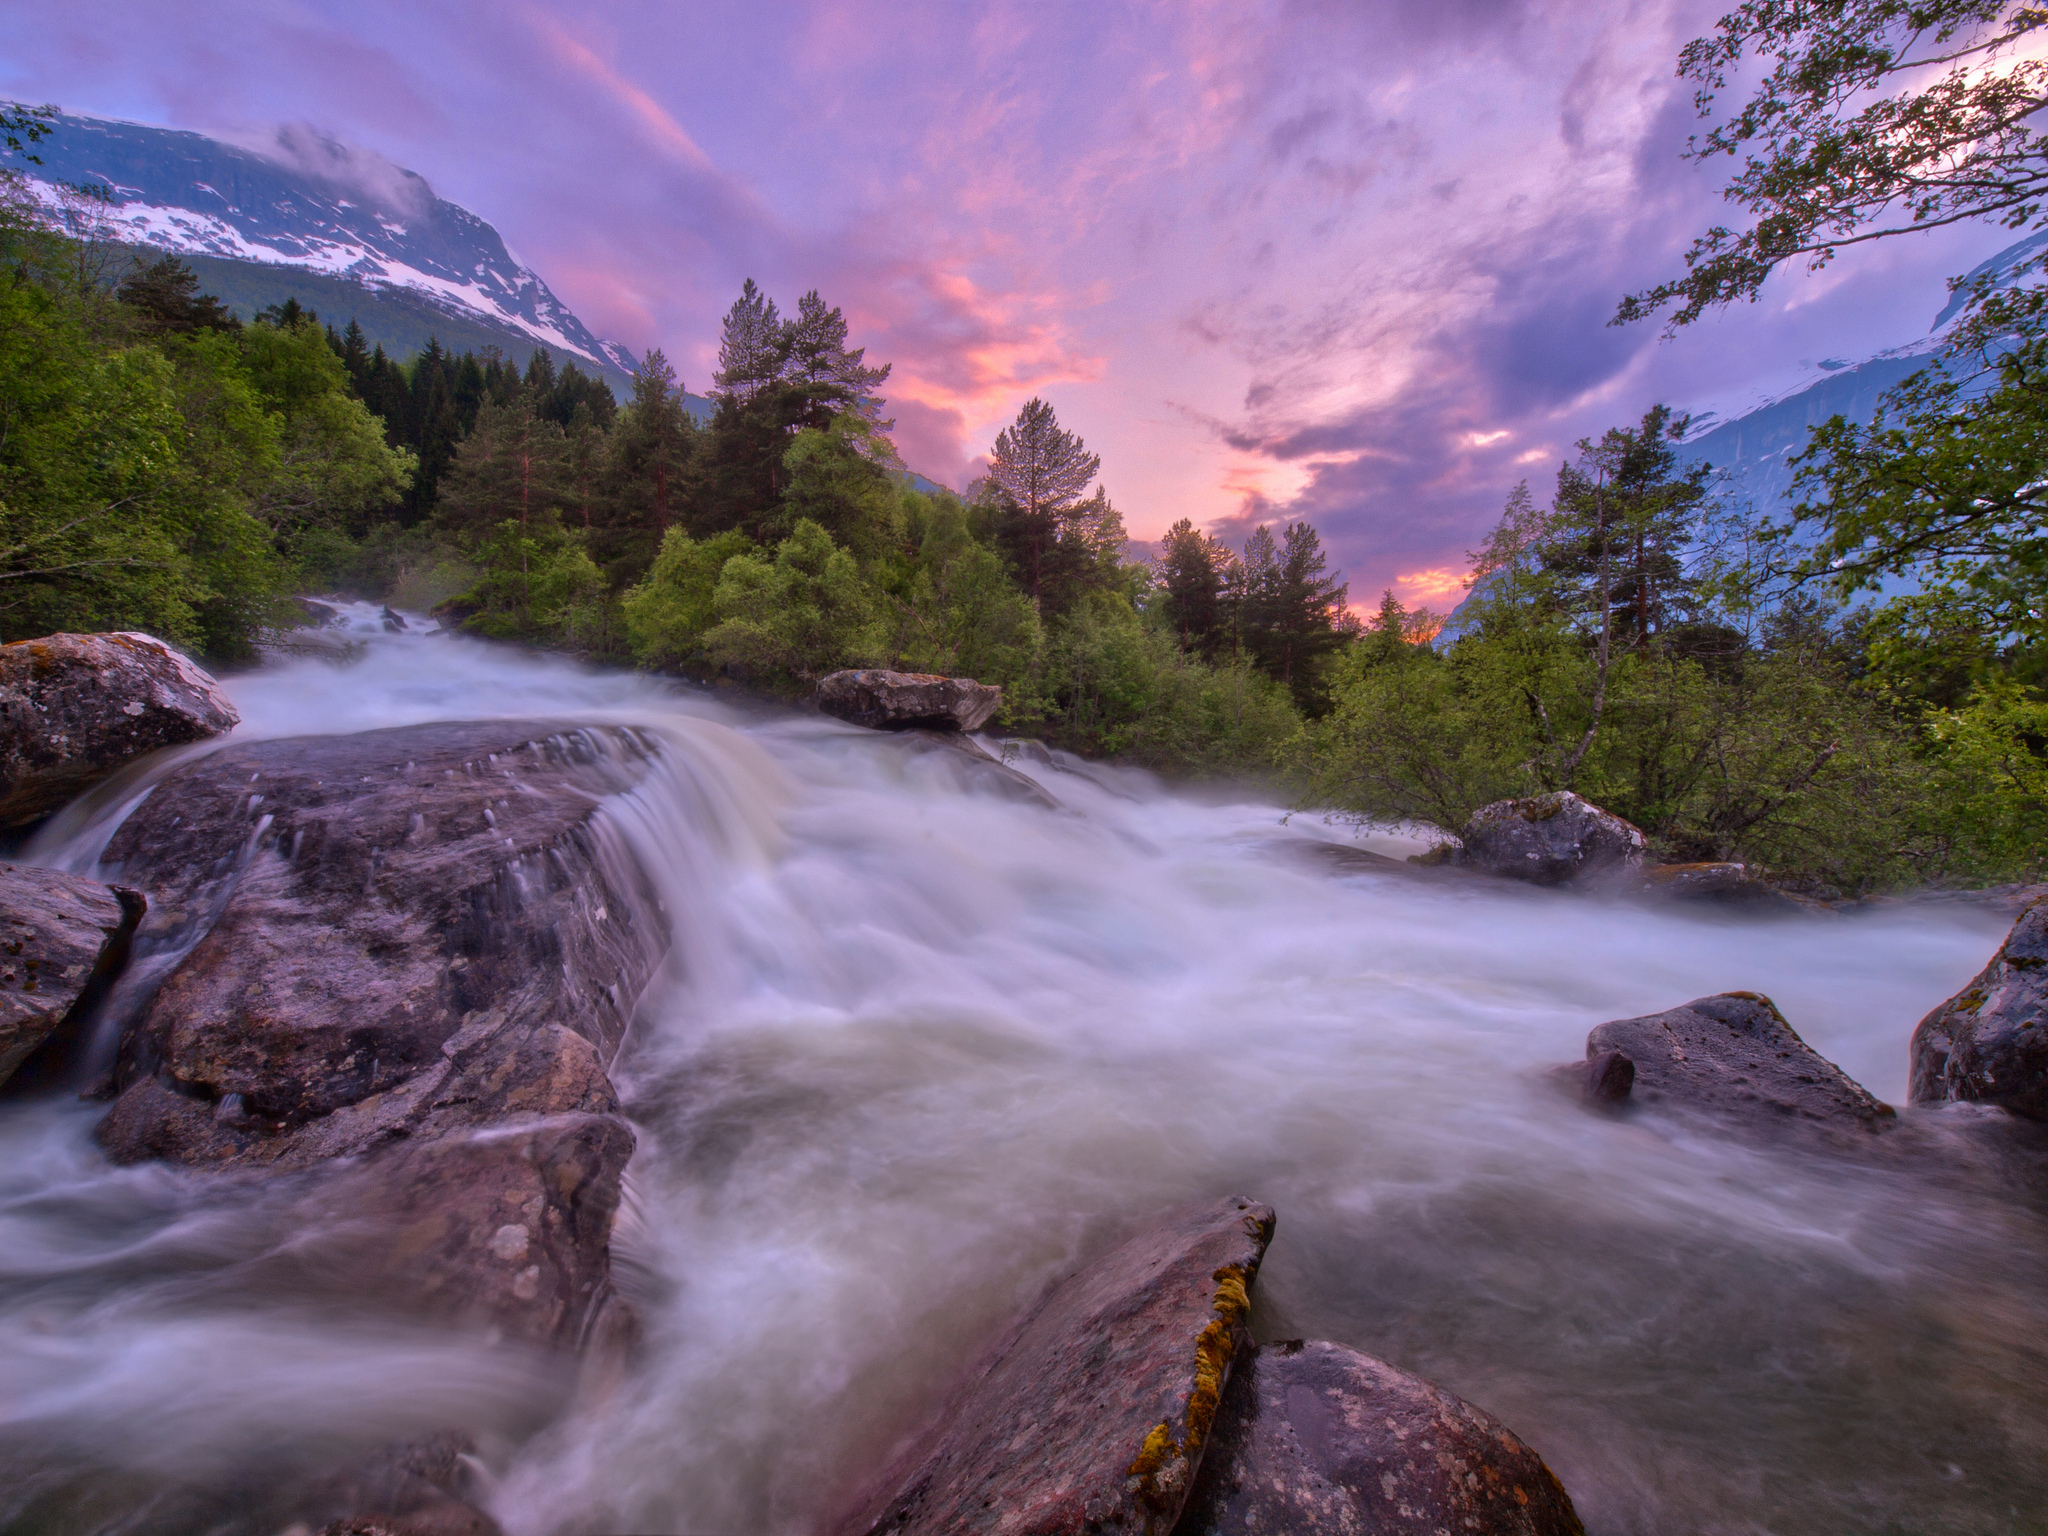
{"x": 1873, "y": 118}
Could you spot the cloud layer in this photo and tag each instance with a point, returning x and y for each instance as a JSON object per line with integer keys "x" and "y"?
{"x": 1273, "y": 260}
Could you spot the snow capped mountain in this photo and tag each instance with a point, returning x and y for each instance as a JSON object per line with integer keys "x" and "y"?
{"x": 305, "y": 202}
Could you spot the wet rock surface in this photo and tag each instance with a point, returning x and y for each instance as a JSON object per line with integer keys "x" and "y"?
{"x": 894, "y": 701}
{"x": 1734, "y": 1057}
{"x": 60, "y": 936}
{"x": 1316, "y": 1438}
{"x": 1093, "y": 1413}
{"x": 392, "y": 934}
{"x": 1554, "y": 839}
{"x": 1989, "y": 1043}
{"x": 74, "y": 708}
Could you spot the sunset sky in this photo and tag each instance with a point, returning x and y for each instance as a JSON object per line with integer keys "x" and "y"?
{"x": 1349, "y": 262}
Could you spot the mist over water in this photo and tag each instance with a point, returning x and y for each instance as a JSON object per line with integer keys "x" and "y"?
{"x": 920, "y": 1049}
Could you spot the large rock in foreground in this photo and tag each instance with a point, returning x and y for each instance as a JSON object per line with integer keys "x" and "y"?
{"x": 1733, "y": 1057}
{"x": 1093, "y": 1414}
{"x": 895, "y": 701}
{"x": 1989, "y": 1043}
{"x": 392, "y": 934}
{"x": 1319, "y": 1440}
{"x": 74, "y": 708}
{"x": 59, "y": 934}
{"x": 1554, "y": 839}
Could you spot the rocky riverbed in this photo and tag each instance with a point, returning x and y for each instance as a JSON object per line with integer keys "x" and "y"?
{"x": 526, "y": 1098}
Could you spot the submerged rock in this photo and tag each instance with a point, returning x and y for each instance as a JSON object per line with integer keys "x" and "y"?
{"x": 1989, "y": 1043}
{"x": 894, "y": 701}
{"x": 59, "y": 935}
{"x": 73, "y": 708}
{"x": 971, "y": 766}
{"x": 1735, "y": 1057}
{"x": 395, "y": 933}
{"x": 1093, "y": 1413}
{"x": 1315, "y": 1438}
{"x": 1553, "y": 839}
{"x": 1720, "y": 885}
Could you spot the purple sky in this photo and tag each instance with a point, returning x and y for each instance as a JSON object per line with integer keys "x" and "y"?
{"x": 1343, "y": 261}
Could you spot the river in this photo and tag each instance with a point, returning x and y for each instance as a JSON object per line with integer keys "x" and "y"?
{"x": 919, "y": 1047}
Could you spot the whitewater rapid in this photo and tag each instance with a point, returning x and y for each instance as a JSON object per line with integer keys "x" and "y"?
{"x": 919, "y": 1047}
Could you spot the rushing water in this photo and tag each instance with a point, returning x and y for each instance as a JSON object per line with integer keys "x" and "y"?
{"x": 924, "y": 1046}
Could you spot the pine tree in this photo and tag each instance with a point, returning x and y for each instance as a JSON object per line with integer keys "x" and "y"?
{"x": 752, "y": 348}
{"x": 1194, "y": 573}
{"x": 651, "y": 451}
{"x": 1041, "y": 472}
{"x": 165, "y": 295}
{"x": 510, "y": 468}
{"x": 825, "y": 375}
{"x": 355, "y": 357}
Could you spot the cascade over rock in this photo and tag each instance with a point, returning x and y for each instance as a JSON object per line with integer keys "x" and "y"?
{"x": 1552, "y": 839}
{"x": 1735, "y": 1058}
{"x": 1093, "y": 1413}
{"x": 73, "y": 708}
{"x": 59, "y": 935}
{"x": 894, "y": 701}
{"x": 1989, "y": 1043}
{"x": 1315, "y": 1438}
{"x": 404, "y": 960}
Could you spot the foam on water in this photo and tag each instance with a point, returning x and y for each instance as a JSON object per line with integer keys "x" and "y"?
{"x": 922, "y": 1048}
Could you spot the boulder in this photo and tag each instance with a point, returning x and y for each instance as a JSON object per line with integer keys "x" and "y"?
{"x": 73, "y": 708}
{"x": 397, "y": 933}
{"x": 1554, "y": 839}
{"x": 1316, "y": 1438}
{"x": 1989, "y": 1043}
{"x": 61, "y": 936}
{"x": 894, "y": 701}
{"x": 1092, "y": 1414}
{"x": 1733, "y": 1057}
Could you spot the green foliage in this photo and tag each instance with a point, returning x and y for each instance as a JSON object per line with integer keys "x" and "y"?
{"x": 537, "y": 583}
{"x": 1124, "y": 688}
{"x": 789, "y": 619}
{"x": 668, "y": 614}
{"x": 1873, "y": 118}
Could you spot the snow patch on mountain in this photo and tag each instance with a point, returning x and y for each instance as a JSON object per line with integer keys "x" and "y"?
{"x": 308, "y": 202}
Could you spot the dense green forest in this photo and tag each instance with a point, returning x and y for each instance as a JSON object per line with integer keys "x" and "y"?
{"x": 1636, "y": 637}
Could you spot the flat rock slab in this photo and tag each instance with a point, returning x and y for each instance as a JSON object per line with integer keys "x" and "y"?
{"x": 74, "y": 708}
{"x": 397, "y": 933}
{"x": 1554, "y": 839}
{"x": 1734, "y": 1057}
{"x": 1989, "y": 1043}
{"x": 894, "y": 701}
{"x": 59, "y": 934}
{"x": 1093, "y": 1414}
{"x": 1319, "y": 1440}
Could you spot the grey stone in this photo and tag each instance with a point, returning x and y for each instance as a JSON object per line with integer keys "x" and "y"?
{"x": 1989, "y": 1043}
{"x": 1721, "y": 885}
{"x": 1093, "y": 1413}
{"x": 390, "y": 934}
{"x": 1553, "y": 839}
{"x": 60, "y": 935}
{"x": 1734, "y": 1057}
{"x": 1319, "y": 1440}
{"x": 894, "y": 701}
{"x": 74, "y": 708}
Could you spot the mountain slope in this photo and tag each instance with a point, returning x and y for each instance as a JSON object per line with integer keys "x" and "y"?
{"x": 360, "y": 237}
